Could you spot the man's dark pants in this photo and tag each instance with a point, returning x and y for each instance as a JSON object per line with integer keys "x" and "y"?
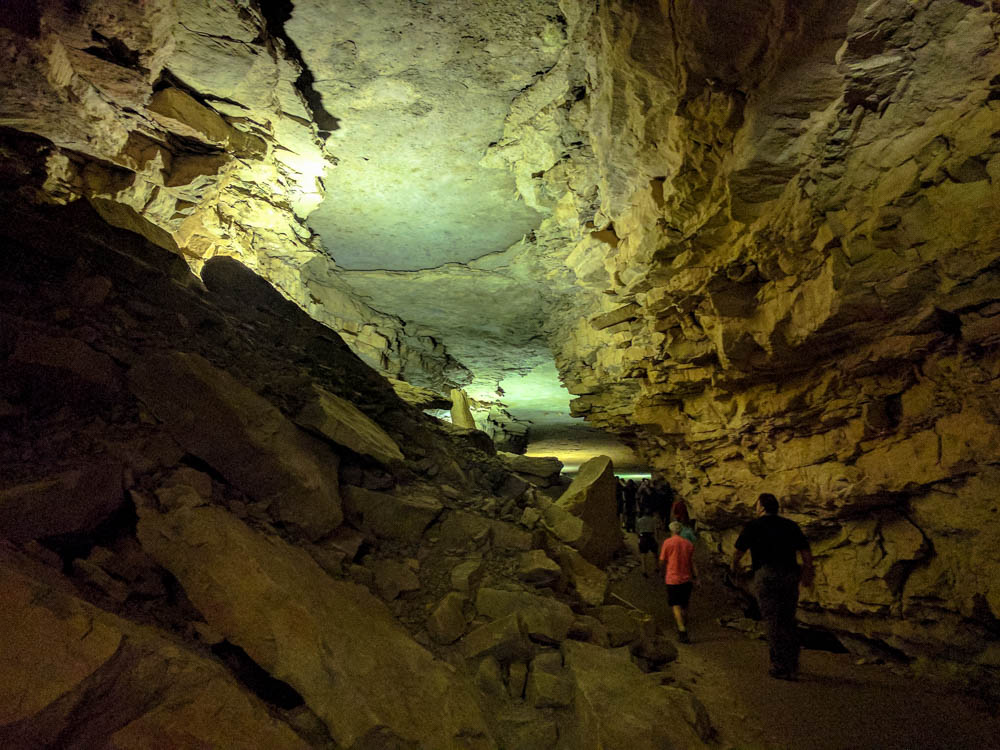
{"x": 777, "y": 592}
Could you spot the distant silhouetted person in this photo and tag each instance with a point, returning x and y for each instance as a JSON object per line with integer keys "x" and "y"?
{"x": 644, "y": 495}
{"x": 679, "y": 513}
{"x": 773, "y": 542}
{"x": 630, "y": 504}
{"x": 663, "y": 498}
{"x": 677, "y": 556}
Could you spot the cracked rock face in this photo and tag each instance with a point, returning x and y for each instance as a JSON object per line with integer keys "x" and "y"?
{"x": 419, "y": 95}
{"x": 758, "y": 237}
{"x": 805, "y": 289}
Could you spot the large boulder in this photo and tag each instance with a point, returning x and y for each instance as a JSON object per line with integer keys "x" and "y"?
{"x": 73, "y": 501}
{"x": 446, "y": 622}
{"x": 393, "y": 578}
{"x": 466, "y": 575}
{"x": 589, "y": 581}
{"x": 534, "y": 567}
{"x": 73, "y": 670}
{"x": 421, "y": 398}
{"x": 544, "y": 619}
{"x": 332, "y": 641}
{"x": 243, "y": 437}
{"x": 539, "y": 470}
{"x": 403, "y": 518}
{"x": 461, "y": 530}
{"x": 68, "y": 365}
{"x": 591, "y": 499}
{"x": 461, "y": 414}
{"x": 343, "y": 423}
{"x": 608, "y": 686}
{"x": 624, "y": 625}
{"x": 509, "y": 536}
{"x": 503, "y": 639}
{"x": 548, "y": 683}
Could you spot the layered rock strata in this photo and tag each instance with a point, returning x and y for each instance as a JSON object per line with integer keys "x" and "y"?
{"x": 794, "y": 227}
{"x": 211, "y": 507}
{"x": 769, "y": 257}
{"x": 198, "y": 127}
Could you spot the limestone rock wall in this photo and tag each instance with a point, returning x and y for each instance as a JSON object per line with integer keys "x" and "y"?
{"x": 795, "y": 235}
{"x": 195, "y": 125}
{"x": 769, "y": 258}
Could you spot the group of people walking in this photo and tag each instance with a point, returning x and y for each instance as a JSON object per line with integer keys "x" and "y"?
{"x": 642, "y": 509}
{"x": 781, "y": 561}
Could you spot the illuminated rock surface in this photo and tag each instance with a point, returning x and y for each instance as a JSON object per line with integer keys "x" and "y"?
{"x": 758, "y": 239}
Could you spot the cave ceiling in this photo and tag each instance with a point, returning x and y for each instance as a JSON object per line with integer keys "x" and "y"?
{"x": 419, "y": 91}
{"x": 419, "y": 223}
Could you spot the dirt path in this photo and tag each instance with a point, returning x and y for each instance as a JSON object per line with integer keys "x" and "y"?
{"x": 836, "y": 704}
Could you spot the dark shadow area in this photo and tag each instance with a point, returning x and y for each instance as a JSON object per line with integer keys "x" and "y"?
{"x": 71, "y": 547}
{"x": 257, "y": 679}
{"x": 276, "y": 13}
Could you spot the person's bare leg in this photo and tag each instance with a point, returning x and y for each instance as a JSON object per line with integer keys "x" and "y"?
{"x": 679, "y": 616}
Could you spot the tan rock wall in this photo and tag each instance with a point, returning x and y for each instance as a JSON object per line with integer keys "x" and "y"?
{"x": 803, "y": 237}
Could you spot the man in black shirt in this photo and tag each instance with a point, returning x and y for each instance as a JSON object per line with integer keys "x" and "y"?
{"x": 773, "y": 542}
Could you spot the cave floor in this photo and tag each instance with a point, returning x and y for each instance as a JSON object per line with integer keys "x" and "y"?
{"x": 837, "y": 704}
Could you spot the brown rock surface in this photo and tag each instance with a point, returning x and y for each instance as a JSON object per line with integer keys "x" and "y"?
{"x": 343, "y": 423}
{"x": 461, "y": 414}
{"x": 607, "y": 686}
{"x": 446, "y": 622}
{"x": 591, "y": 498}
{"x": 71, "y": 501}
{"x": 243, "y": 437}
{"x": 540, "y": 470}
{"x": 542, "y": 618}
{"x": 332, "y": 641}
{"x": 391, "y": 516}
{"x": 766, "y": 258}
{"x": 74, "y": 671}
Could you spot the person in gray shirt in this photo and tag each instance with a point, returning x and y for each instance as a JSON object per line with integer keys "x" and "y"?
{"x": 645, "y": 526}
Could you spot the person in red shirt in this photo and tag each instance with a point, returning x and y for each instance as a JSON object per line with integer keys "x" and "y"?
{"x": 677, "y": 558}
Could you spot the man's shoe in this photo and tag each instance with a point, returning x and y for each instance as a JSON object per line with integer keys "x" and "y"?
{"x": 683, "y": 637}
{"x": 780, "y": 674}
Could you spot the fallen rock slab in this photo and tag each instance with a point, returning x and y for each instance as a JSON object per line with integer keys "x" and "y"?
{"x": 343, "y": 423}
{"x": 466, "y": 576}
{"x": 590, "y": 582}
{"x": 446, "y": 622}
{"x": 332, "y": 641}
{"x": 72, "y": 501}
{"x": 608, "y": 686}
{"x": 503, "y": 639}
{"x": 544, "y": 619}
{"x": 591, "y": 498}
{"x": 393, "y": 578}
{"x": 422, "y": 398}
{"x": 461, "y": 413}
{"x": 401, "y": 517}
{"x": 539, "y": 470}
{"x": 243, "y": 437}
{"x": 70, "y": 359}
{"x": 73, "y": 670}
{"x": 537, "y": 569}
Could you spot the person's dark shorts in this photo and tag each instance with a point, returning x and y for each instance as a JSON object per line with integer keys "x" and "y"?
{"x": 647, "y": 543}
{"x": 679, "y": 594}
